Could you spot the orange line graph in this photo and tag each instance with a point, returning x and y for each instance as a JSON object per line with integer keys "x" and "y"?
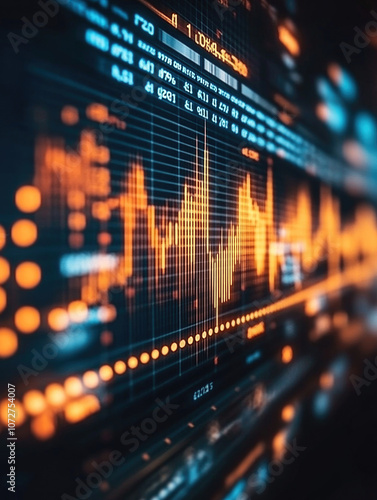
{"x": 178, "y": 241}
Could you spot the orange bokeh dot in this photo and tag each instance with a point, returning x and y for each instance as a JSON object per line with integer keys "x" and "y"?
{"x": 104, "y": 239}
{"x": 78, "y": 311}
{"x": 27, "y": 319}
{"x": 69, "y": 115}
{"x": 28, "y": 275}
{"x": 174, "y": 346}
{"x": 335, "y": 72}
{"x": 90, "y": 379}
{"x": 322, "y": 111}
{"x": 34, "y": 402}
{"x": 24, "y": 233}
{"x": 76, "y": 200}
{"x": 4, "y": 270}
{"x": 106, "y": 373}
{"x": 182, "y": 343}
{"x": 133, "y": 362}
{"x": 73, "y": 387}
{"x": 326, "y": 380}
{"x": 288, "y": 413}
{"x": 120, "y": 367}
{"x": 58, "y": 319}
{"x": 287, "y": 354}
{"x": 55, "y": 395}
{"x": 288, "y": 39}
{"x": 82, "y": 408}
{"x": 8, "y": 342}
{"x": 28, "y": 199}
{"x": 107, "y": 314}
{"x": 101, "y": 211}
{"x": 165, "y": 350}
{"x": 278, "y": 444}
{"x": 155, "y": 353}
{"x": 97, "y": 112}
{"x": 190, "y": 340}
{"x": 144, "y": 358}
{"x": 76, "y": 221}
{"x": 43, "y": 427}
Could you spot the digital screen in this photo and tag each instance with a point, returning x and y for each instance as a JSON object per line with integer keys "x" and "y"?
{"x": 174, "y": 215}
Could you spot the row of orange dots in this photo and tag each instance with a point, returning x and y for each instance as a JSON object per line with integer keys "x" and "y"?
{"x": 106, "y": 372}
{"x": 24, "y": 234}
{"x": 74, "y": 387}
{"x": 41, "y": 407}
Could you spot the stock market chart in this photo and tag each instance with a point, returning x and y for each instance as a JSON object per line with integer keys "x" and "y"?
{"x": 186, "y": 220}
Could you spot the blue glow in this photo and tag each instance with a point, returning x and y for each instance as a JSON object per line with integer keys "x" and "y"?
{"x": 149, "y": 87}
{"x": 235, "y": 128}
{"x": 77, "y": 339}
{"x": 252, "y": 137}
{"x": 339, "y": 367}
{"x": 253, "y": 357}
{"x": 127, "y": 36}
{"x": 76, "y": 6}
{"x": 97, "y": 40}
{"x": 96, "y": 18}
{"x": 326, "y": 91}
{"x": 144, "y": 24}
{"x": 121, "y": 33}
{"x": 84, "y": 263}
{"x": 147, "y": 48}
{"x": 321, "y": 404}
{"x": 366, "y": 129}
{"x": 337, "y": 118}
{"x": 236, "y": 491}
{"x": 250, "y": 109}
{"x": 122, "y": 53}
{"x": 122, "y": 75}
{"x": 347, "y": 86}
{"x": 146, "y": 65}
